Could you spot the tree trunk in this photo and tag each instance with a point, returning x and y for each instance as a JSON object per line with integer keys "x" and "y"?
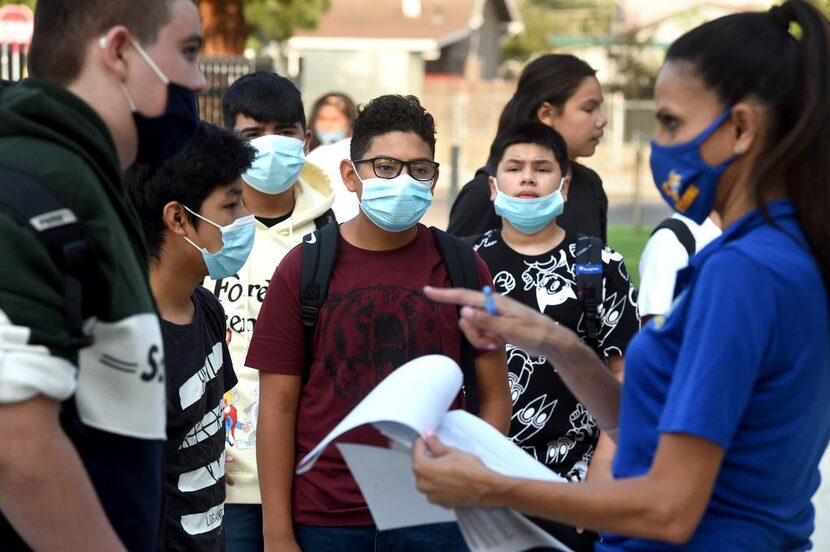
{"x": 224, "y": 26}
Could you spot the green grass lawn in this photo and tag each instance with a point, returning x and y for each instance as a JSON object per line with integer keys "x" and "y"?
{"x": 630, "y": 243}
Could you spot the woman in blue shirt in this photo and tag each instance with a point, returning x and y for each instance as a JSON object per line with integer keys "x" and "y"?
{"x": 724, "y": 415}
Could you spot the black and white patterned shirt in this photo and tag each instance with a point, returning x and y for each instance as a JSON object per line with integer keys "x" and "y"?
{"x": 548, "y": 422}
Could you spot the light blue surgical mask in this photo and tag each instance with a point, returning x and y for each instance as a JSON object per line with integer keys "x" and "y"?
{"x": 529, "y": 215}
{"x": 395, "y": 204}
{"x": 327, "y": 137}
{"x": 237, "y": 242}
{"x": 277, "y": 165}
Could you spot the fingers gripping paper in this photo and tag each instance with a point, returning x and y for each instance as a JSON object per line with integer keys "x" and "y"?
{"x": 410, "y": 401}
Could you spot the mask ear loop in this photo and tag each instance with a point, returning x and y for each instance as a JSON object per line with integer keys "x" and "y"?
{"x": 149, "y": 61}
{"x": 102, "y": 43}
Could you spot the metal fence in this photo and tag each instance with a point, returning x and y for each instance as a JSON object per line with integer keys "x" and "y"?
{"x": 13, "y": 62}
{"x": 220, "y": 73}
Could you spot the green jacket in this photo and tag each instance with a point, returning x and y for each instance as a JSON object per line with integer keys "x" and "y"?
{"x": 114, "y": 409}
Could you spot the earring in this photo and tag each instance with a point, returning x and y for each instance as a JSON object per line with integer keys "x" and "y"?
{"x": 738, "y": 150}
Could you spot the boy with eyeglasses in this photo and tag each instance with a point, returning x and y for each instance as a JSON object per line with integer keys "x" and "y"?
{"x": 374, "y": 319}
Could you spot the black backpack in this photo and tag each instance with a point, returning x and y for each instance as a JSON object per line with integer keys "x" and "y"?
{"x": 35, "y": 207}
{"x": 318, "y": 256}
{"x": 589, "y": 274}
{"x": 681, "y": 231}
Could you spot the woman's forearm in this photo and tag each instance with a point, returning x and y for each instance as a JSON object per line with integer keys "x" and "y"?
{"x": 633, "y": 507}
{"x": 585, "y": 375}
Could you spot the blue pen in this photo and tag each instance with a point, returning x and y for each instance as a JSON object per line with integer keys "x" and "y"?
{"x": 489, "y": 302}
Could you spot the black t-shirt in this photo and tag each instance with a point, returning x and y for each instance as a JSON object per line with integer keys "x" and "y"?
{"x": 586, "y": 211}
{"x": 548, "y": 422}
{"x": 199, "y": 372}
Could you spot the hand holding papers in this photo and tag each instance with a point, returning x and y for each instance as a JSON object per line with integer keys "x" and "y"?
{"x": 408, "y": 403}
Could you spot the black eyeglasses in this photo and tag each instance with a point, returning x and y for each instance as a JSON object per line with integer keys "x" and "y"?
{"x": 389, "y": 167}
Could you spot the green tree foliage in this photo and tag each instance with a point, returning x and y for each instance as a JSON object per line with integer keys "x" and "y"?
{"x": 30, "y": 3}
{"x": 545, "y": 19}
{"x": 277, "y": 19}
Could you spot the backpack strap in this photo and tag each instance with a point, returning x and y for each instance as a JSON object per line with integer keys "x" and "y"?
{"x": 588, "y": 271}
{"x": 30, "y": 203}
{"x": 317, "y": 257}
{"x": 324, "y": 219}
{"x": 681, "y": 232}
{"x": 462, "y": 270}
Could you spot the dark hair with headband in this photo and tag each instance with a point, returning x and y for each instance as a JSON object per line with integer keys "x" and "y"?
{"x": 754, "y": 55}
{"x": 551, "y": 78}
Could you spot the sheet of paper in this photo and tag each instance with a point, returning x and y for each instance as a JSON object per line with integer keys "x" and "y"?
{"x": 462, "y": 430}
{"x": 386, "y": 480}
{"x": 415, "y": 397}
{"x": 502, "y": 530}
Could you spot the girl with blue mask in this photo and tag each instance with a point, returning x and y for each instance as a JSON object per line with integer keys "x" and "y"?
{"x": 736, "y": 376}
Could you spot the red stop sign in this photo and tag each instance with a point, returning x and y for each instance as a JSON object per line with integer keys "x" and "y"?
{"x": 17, "y": 23}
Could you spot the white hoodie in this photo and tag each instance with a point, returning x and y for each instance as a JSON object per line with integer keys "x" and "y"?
{"x": 242, "y": 296}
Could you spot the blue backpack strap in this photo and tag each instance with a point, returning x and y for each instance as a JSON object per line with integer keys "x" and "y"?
{"x": 589, "y": 274}
{"x": 462, "y": 270}
{"x": 317, "y": 258}
{"x": 34, "y": 206}
{"x": 681, "y": 232}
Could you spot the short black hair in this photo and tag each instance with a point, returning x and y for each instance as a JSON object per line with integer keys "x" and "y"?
{"x": 263, "y": 96}
{"x": 391, "y": 113}
{"x": 63, "y": 30}
{"x": 215, "y": 157}
{"x": 530, "y": 132}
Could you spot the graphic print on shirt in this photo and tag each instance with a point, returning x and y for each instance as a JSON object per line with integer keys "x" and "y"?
{"x": 552, "y": 288}
{"x": 371, "y": 331}
{"x": 548, "y": 422}
{"x": 240, "y": 427}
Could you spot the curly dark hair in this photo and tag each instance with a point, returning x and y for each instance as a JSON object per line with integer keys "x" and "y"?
{"x": 215, "y": 157}
{"x": 391, "y": 113}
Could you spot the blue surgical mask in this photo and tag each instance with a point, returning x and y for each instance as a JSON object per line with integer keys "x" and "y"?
{"x": 327, "y": 137}
{"x": 162, "y": 137}
{"x": 684, "y": 179}
{"x": 277, "y": 165}
{"x": 529, "y": 215}
{"x": 395, "y": 204}
{"x": 237, "y": 242}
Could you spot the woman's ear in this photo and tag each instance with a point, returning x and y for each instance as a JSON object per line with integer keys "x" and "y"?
{"x": 748, "y": 121}
{"x": 175, "y": 218}
{"x": 547, "y": 114}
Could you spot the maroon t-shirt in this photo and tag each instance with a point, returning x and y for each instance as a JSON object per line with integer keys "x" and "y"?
{"x": 374, "y": 319}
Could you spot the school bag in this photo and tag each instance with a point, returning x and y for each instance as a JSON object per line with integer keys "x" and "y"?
{"x": 318, "y": 255}
{"x": 31, "y": 204}
{"x": 681, "y": 232}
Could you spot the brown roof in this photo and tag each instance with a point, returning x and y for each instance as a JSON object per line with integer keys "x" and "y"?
{"x": 385, "y": 19}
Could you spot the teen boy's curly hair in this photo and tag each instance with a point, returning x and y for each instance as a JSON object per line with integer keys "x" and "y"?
{"x": 391, "y": 113}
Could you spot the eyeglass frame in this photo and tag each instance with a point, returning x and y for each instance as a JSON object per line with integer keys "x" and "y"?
{"x": 407, "y": 164}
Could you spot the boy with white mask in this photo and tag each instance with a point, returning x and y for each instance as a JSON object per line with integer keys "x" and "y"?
{"x": 535, "y": 261}
{"x": 374, "y": 318}
{"x": 289, "y": 198}
{"x": 195, "y": 224}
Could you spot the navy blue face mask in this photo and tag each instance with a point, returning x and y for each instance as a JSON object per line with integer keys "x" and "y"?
{"x": 684, "y": 179}
{"x": 162, "y": 137}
